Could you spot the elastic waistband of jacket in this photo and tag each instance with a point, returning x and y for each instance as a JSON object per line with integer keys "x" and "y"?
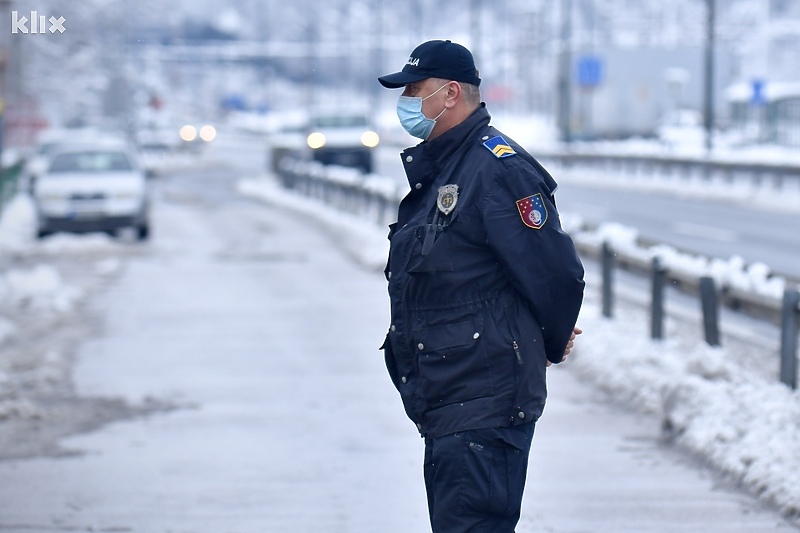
{"x": 503, "y": 298}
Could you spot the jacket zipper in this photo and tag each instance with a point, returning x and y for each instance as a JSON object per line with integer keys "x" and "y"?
{"x": 516, "y": 351}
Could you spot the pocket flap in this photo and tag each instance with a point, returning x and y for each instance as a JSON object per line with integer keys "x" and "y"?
{"x": 444, "y": 336}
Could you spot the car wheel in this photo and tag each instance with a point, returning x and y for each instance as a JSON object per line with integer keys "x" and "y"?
{"x": 143, "y": 232}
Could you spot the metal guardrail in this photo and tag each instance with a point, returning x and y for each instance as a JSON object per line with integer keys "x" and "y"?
{"x": 9, "y": 181}
{"x": 779, "y": 175}
{"x": 342, "y": 188}
{"x": 785, "y": 310}
{"x": 376, "y": 199}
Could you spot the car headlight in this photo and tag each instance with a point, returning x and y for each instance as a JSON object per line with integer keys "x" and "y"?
{"x": 316, "y": 140}
{"x": 370, "y": 139}
{"x": 188, "y": 133}
{"x": 208, "y": 133}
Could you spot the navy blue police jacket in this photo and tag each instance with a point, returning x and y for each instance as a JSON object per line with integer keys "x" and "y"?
{"x": 484, "y": 285}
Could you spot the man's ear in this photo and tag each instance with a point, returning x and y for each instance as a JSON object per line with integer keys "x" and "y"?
{"x": 454, "y": 93}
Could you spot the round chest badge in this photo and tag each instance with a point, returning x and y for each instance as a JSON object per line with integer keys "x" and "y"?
{"x": 448, "y": 198}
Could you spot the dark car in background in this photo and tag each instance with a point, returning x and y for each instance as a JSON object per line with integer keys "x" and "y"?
{"x": 342, "y": 139}
{"x": 330, "y": 137}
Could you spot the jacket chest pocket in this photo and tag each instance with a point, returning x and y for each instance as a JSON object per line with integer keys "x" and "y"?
{"x": 453, "y": 366}
{"x": 434, "y": 249}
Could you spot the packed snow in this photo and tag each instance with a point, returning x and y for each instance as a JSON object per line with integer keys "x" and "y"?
{"x": 731, "y": 273}
{"x": 41, "y": 285}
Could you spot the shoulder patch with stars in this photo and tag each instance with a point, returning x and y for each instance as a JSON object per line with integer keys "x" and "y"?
{"x": 499, "y": 147}
{"x": 533, "y": 211}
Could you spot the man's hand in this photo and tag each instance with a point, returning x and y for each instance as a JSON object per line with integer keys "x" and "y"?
{"x": 575, "y": 332}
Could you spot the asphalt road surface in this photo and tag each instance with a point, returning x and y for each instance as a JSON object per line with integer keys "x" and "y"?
{"x": 706, "y": 227}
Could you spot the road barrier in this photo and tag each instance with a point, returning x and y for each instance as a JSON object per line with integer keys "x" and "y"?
{"x": 789, "y": 331}
{"x": 786, "y": 310}
{"x": 373, "y": 197}
{"x": 376, "y": 199}
{"x": 654, "y": 167}
{"x": 9, "y": 178}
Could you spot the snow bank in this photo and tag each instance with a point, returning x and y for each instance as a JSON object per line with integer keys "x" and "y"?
{"x": 64, "y": 243}
{"x": 18, "y": 224}
{"x": 40, "y": 288}
{"x": 361, "y": 239}
{"x": 40, "y": 282}
{"x": 18, "y": 234}
{"x": 745, "y": 427}
{"x": 731, "y": 273}
{"x": 10, "y": 157}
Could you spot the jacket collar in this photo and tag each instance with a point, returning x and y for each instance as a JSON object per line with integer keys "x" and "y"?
{"x": 442, "y": 147}
{"x": 434, "y": 155}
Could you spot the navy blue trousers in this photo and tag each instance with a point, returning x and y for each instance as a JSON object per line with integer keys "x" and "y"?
{"x": 475, "y": 479}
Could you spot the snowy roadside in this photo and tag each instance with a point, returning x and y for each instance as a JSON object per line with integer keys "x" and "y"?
{"x": 740, "y": 424}
{"x": 43, "y": 286}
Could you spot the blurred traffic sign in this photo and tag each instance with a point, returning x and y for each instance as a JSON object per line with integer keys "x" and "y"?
{"x": 758, "y": 98}
{"x": 590, "y": 71}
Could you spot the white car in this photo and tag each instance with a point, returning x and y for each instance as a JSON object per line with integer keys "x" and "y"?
{"x": 92, "y": 187}
{"x": 50, "y": 142}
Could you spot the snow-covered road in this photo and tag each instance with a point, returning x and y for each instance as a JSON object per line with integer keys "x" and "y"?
{"x": 265, "y": 336}
{"x": 252, "y": 335}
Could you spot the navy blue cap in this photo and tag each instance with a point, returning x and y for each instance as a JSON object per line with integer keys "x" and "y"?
{"x": 435, "y": 59}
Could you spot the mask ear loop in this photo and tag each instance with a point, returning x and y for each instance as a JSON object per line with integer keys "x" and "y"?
{"x": 434, "y": 92}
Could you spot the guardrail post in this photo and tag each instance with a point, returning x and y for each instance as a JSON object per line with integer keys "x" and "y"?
{"x": 709, "y": 303}
{"x": 608, "y": 279}
{"x": 383, "y": 207}
{"x": 790, "y": 316}
{"x": 658, "y": 283}
{"x": 367, "y": 202}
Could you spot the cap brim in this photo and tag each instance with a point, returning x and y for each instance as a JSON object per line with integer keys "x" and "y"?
{"x": 400, "y": 79}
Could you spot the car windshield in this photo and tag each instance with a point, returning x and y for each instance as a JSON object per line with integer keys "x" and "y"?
{"x": 341, "y": 121}
{"x": 91, "y": 161}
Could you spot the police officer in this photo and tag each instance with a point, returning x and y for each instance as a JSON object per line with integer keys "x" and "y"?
{"x": 485, "y": 290}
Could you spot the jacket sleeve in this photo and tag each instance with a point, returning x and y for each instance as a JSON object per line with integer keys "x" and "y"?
{"x": 537, "y": 255}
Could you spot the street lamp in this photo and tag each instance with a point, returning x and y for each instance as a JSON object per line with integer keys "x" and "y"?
{"x": 564, "y": 84}
{"x": 708, "y": 96}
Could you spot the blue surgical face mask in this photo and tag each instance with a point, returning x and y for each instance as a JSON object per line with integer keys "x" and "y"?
{"x": 413, "y": 120}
